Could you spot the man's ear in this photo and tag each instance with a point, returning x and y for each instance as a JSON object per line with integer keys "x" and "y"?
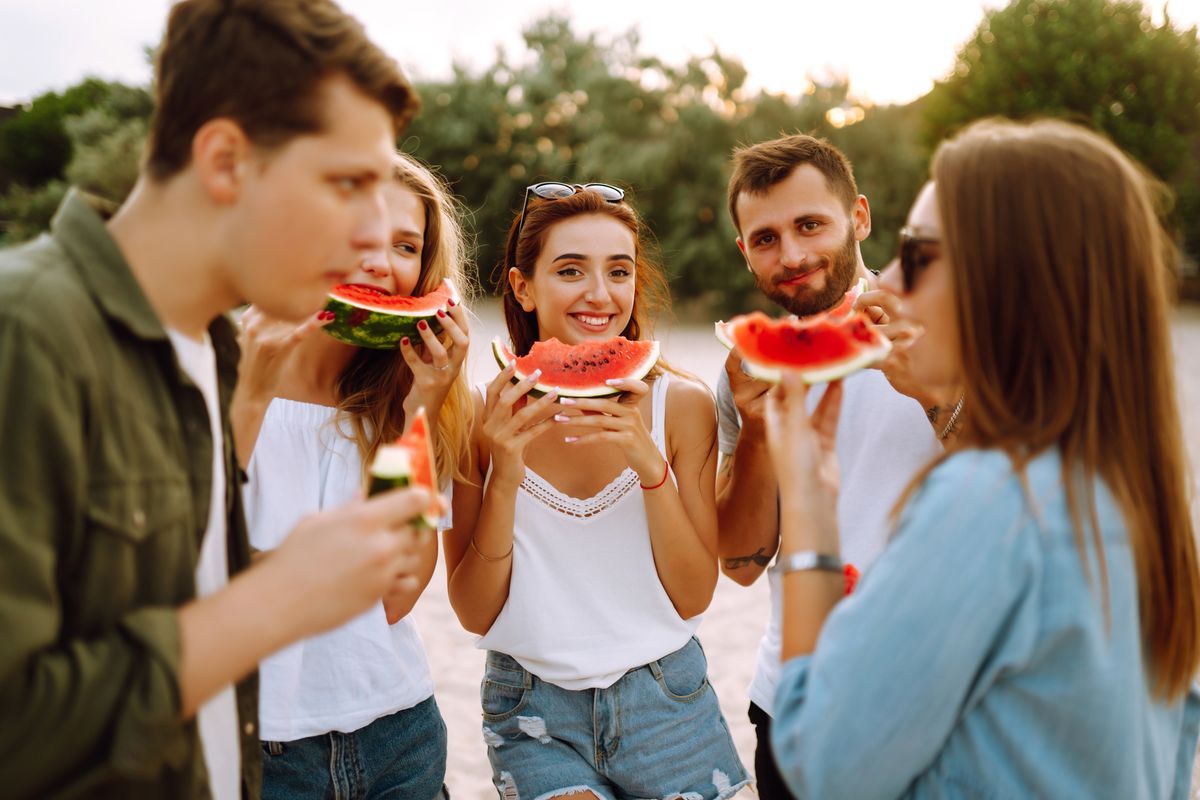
{"x": 861, "y": 215}
{"x": 742, "y": 248}
{"x": 220, "y": 155}
{"x": 520, "y": 287}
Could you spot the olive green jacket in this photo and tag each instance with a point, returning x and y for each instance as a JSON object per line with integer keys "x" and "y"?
{"x": 105, "y": 477}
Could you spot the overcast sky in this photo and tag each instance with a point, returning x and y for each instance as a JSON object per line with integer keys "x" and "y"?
{"x": 892, "y": 51}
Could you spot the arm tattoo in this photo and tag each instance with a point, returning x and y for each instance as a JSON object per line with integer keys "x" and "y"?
{"x": 759, "y": 557}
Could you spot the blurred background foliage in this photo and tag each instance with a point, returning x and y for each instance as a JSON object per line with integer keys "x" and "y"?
{"x": 581, "y": 107}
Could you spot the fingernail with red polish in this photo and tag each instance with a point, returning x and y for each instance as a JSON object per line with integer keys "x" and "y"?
{"x": 441, "y": 313}
{"x": 451, "y": 303}
{"x": 404, "y": 340}
{"x": 422, "y": 324}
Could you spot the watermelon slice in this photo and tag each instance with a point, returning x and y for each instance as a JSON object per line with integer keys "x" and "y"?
{"x": 580, "y": 370}
{"x": 369, "y": 317}
{"x": 822, "y": 347}
{"x": 843, "y": 309}
{"x": 408, "y": 462}
{"x": 819, "y": 348}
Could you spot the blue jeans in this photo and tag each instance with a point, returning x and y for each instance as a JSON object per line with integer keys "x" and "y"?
{"x": 657, "y": 732}
{"x": 399, "y": 757}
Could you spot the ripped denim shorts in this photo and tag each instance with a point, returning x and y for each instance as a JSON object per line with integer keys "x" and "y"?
{"x": 657, "y": 732}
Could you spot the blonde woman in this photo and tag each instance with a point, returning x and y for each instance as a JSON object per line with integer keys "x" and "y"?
{"x": 352, "y": 711}
{"x": 1033, "y": 627}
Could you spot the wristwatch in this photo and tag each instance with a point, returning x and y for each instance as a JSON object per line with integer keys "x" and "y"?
{"x": 804, "y": 560}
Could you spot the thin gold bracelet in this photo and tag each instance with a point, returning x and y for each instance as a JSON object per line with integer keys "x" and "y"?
{"x": 489, "y": 558}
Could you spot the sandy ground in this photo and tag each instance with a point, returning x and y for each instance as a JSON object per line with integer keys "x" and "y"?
{"x": 732, "y": 625}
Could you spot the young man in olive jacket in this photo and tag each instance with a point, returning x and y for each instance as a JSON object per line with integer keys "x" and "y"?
{"x": 128, "y": 607}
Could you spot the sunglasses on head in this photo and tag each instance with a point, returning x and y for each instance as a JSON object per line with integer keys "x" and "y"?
{"x": 556, "y": 190}
{"x": 914, "y": 255}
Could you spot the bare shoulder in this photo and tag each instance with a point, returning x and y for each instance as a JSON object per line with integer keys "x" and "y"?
{"x": 690, "y": 403}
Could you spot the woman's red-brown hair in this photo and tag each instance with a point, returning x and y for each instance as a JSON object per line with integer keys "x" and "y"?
{"x": 525, "y": 242}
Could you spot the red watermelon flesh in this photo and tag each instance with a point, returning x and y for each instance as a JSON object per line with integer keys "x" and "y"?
{"x": 580, "y": 370}
{"x": 843, "y": 309}
{"x": 409, "y": 461}
{"x": 366, "y": 316}
{"x": 374, "y": 298}
{"x": 846, "y": 305}
{"x": 820, "y": 348}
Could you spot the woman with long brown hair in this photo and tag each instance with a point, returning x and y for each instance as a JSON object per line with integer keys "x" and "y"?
{"x": 1033, "y": 628}
{"x": 584, "y": 545}
{"x": 354, "y": 708}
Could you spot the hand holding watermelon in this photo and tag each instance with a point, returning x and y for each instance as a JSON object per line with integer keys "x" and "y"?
{"x": 749, "y": 393}
{"x": 617, "y": 422}
{"x": 336, "y": 564}
{"x": 438, "y": 361}
{"x": 511, "y": 421}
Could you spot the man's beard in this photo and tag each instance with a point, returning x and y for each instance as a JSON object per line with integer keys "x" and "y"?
{"x": 800, "y": 300}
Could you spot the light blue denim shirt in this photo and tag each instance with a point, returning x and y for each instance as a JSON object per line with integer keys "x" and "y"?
{"x": 974, "y": 659}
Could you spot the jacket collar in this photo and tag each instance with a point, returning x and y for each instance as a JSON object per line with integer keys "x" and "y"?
{"x": 80, "y": 231}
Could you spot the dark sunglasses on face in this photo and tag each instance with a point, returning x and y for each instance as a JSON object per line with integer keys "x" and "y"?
{"x": 555, "y": 190}
{"x": 914, "y": 255}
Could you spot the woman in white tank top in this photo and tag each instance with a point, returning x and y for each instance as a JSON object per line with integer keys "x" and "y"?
{"x": 351, "y": 711}
{"x": 583, "y": 548}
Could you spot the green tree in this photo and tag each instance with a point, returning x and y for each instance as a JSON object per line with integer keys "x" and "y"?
{"x": 91, "y": 136}
{"x": 1100, "y": 62}
{"x": 581, "y": 108}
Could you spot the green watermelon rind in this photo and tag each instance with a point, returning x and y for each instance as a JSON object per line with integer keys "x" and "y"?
{"x": 722, "y": 336}
{"x": 380, "y": 484}
{"x": 501, "y": 353}
{"x": 380, "y": 329}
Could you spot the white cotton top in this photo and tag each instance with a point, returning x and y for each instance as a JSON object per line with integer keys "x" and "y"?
{"x": 344, "y": 679}
{"x": 883, "y": 438}
{"x": 217, "y": 719}
{"x": 585, "y": 603}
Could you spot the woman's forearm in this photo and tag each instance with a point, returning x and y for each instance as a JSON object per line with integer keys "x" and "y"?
{"x": 479, "y": 585}
{"x": 686, "y": 565}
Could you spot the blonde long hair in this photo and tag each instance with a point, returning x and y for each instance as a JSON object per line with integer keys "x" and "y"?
{"x": 1063, "y": 286}
{"x": 371, "y": 390}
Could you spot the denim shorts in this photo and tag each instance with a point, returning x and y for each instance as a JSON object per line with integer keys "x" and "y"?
{"x": 399, "y": 757}
{"x": 656, "y": 733}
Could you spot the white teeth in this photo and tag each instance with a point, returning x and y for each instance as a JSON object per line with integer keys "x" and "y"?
{"x": 592, "y": 320}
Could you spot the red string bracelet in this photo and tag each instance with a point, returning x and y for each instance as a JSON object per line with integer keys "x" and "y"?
{"x": 666, "y": 472}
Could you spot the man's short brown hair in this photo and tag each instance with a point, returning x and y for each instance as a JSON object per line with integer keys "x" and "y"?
{"x": 759, "y": 167}
{"x": 260, "y": 63}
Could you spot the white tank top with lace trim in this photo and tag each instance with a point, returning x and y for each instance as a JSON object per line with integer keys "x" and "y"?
{"x": 585, "y": 603}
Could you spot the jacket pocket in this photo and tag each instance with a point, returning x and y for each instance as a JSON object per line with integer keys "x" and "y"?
{"x": 140, "y": 548}
{"x": 135, "y": 510}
